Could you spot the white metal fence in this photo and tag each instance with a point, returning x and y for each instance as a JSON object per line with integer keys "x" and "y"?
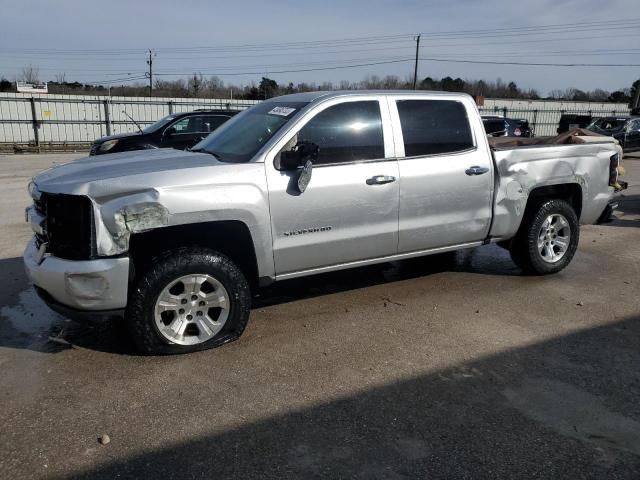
{"x": 55, "y": 121}
{"x": 544, "y": 116}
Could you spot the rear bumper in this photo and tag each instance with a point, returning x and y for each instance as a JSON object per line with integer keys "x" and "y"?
{"x": 92, "y": 285}
{"x": 608, "y": 212}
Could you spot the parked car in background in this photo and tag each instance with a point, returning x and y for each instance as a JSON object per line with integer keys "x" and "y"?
{"x": 571, "y": 121}
{"x": 300, "y": 185}
{"x": 178, "y": 130}
{"x": 497, "y": 126}
{"x": 494, "y": 125}
{"x": 625, "y": 129}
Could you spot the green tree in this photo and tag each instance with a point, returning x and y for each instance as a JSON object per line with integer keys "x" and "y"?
{"x": 5, "y": 85}
{"x": 429, "y": 84}
{"x": 619, "y": 97}
{"x": 268, "y": 88}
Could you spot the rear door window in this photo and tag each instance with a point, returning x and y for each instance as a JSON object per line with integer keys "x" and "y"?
{"x": 214, "y": 121}
{"x": 347, "y": 132}
{"x": 431, "y": 127}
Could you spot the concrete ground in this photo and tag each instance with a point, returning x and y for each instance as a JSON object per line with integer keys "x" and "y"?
{"x": 405, "y": 370}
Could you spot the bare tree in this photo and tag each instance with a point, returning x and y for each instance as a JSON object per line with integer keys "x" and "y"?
{"x": 194, "y": 84}
{"x": 30, "y": 74}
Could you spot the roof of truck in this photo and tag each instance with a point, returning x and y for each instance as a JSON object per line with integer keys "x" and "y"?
{"x": 313, "y": 96}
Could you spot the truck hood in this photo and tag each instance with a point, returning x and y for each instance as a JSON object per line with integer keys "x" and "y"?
{"x": 80, "y": 175}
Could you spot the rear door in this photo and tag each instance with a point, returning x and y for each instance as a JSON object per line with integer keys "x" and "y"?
{"x": 446, "y": 173}
{"x": 349, "y": 211}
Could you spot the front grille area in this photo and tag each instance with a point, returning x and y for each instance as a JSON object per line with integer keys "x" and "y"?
{"x": 94, "y": 149}
{"x": 69, "y": 228}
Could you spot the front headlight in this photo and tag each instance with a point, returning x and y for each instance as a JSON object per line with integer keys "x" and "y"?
{"x": 33, "y": 190}
{"x": 108, "y": 145}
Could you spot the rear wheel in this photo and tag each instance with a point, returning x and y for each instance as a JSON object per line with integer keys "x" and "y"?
{"x": 547, "y": 239}
{"x": 189, "y": 299}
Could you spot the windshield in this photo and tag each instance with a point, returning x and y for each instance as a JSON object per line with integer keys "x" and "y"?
{"x": 607, "y": 124}
{"x": 239, "y": 139}
{"x": 159, "y": 124}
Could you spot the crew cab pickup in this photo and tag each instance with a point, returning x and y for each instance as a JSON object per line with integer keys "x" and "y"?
{"x": 175, "y": 241}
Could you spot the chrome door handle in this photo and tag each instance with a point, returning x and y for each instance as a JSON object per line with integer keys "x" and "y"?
{"x": 475, "y": 170}
{"x": 380, "y": 180}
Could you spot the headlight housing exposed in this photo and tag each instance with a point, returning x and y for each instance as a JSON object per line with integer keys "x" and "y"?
{"x": 108, "y": 145}
{"x": 33, "y": 190}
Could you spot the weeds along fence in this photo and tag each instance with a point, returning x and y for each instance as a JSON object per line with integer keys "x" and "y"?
{"x": 49, "y": 123}
{"x": 72, "y": 122}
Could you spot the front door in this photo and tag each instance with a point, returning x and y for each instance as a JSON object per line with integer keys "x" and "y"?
{"x": 349, "y": 211}
{"x": 446, "y": 175}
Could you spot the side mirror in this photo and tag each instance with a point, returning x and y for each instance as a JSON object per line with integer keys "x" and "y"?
{"x": 170, "y": 132}
{"x": 303, "y": 154}
{"x": 298, "y": 156}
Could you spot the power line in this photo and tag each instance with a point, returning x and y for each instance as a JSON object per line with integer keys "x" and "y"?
{"x": 339, "y": 67}
{"x": 495, "y": 32}
{"x": 537, "y": 64}
{"x": 116, "y": 80}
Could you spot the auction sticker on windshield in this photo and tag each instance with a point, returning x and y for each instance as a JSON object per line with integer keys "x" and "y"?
{"x": 282, "y": 111}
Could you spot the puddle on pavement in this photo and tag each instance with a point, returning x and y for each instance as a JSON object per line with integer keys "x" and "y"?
{"x": 30, "y": 324}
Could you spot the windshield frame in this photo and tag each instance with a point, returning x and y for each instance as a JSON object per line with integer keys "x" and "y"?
{"x": 207, "y": 144}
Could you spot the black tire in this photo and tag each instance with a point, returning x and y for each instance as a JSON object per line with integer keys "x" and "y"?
{"x": 167, "y": 267}
{"x": 524, "y": 247}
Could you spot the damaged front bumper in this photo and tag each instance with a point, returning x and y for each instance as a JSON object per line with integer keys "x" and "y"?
{"x": 79, "y": 289}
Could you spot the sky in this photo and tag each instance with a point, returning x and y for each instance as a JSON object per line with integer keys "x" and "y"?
{"x": 242, "y": 41}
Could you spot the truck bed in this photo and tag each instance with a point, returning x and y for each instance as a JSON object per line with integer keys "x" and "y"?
{"x": 578, "y": 158}
{"x": 573, "y": 137}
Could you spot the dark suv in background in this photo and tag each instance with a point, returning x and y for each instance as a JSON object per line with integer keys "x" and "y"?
{"x": 625, "y": 129}
{"x": 178, "y": 130}
{"x": 497, "y": 126}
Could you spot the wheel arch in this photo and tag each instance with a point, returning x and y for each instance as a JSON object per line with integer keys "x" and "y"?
{"x": 229, "y": 237}
{"x": 569, "y": 192}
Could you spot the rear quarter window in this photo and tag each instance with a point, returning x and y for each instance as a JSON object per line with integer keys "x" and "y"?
{"x": 431, "y": 127}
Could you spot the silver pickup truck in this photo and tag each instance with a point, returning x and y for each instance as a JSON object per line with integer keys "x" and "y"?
{"x": 175, "y": 241}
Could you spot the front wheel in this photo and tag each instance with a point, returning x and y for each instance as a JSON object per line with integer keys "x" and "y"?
{"x": 547, "y": 239}
{"x": 189, "y": 299}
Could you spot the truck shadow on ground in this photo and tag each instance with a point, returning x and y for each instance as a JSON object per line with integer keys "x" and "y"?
{"x": 562, "y": 408}
{"x": 489, "y": 259}
{"x": 627, "y": 213}
{"x": 26, "y": 322}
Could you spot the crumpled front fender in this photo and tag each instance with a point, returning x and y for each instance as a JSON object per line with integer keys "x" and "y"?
{"x": 121, "y": 217}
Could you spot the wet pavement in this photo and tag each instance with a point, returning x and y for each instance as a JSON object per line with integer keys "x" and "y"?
{"x": 454, "y": 366}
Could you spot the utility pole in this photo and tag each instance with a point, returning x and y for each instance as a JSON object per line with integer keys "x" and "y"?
{"x": 150, "y": 74}
{"x": 635, "y": 101}
{"x": 415, "y": 70}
